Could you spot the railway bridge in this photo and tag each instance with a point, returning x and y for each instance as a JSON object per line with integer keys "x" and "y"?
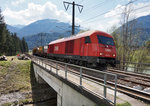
{"x": 80, "y": 86}
{"x": 74, "y": 88}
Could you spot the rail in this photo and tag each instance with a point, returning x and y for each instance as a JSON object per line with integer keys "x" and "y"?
{"x": 46, "y": 63}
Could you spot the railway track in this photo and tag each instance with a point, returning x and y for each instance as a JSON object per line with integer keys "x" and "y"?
{"x": 121, "y": 88}
{"x": 138, "y": 79}
{"x": 128, "y": 74}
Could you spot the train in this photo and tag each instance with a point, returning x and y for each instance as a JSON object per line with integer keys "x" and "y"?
{"x": 91, "y": 48}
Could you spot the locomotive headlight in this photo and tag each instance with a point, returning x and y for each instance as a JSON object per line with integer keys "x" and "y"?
{"x": 114, "y": 55}
{"x": 100, "y": 54}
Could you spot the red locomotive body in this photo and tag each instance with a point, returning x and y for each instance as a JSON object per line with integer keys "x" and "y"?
{"x": 91, "y": 47}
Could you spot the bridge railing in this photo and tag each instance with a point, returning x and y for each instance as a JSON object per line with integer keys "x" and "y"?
{"x": 134, "y": 67}
{"x": 82, "y": 74}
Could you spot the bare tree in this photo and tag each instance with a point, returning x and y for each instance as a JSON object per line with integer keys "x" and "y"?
{"x": 130, "y": 32}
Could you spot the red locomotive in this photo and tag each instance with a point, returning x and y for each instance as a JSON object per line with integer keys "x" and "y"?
{"x": 91, "y": 48}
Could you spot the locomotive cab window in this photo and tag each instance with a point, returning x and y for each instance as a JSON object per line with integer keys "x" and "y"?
{"x": 87, "y": 39}
{"x": 105, "y": 40}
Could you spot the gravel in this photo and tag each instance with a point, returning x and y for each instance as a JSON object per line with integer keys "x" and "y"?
{"x": 139, "y": 87}
{"x": 11, "y": 97}
{"x": 147, "y": 89}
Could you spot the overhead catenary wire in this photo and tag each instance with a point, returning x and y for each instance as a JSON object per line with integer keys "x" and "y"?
{"x": 93, "y": 7}
{"x": 113, "y": 15}
{"x": 91, "y": 19}
{"x": 80, "y": 1}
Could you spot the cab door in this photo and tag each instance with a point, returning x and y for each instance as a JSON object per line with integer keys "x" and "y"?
{"x": 87, "y": 42}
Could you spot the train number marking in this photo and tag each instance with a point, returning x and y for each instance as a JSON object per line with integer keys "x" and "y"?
{"x": 108, "y": 50}
{"x": 56, "y": 48}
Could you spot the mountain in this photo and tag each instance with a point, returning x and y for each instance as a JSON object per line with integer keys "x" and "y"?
{"x": 19, "y": 26}
{"x": 145, "y": 23}
{"x": 44, "y": 26}
{"x": 12, "y": 28}
{"x": 145, "y": 20}
{"x": 43, "y": 38}
{"x": 142, "y": 29}
{"x": 41, "y": 26}
{"x": 49, "y": 29}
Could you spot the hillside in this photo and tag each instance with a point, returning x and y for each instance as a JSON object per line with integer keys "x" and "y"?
{"x": 12, "y": 29}
{"x": 35, "y": 40}
{"x": 145, "y": 23}
{"x": 145, "y": 20}
{"x": 41, "y": 26}
{"x": 141, "y": 30}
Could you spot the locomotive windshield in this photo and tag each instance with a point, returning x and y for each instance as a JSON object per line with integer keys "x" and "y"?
{"x": 105, "y": 40}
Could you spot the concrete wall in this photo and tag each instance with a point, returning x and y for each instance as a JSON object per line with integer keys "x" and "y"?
{"x": 73, "y": 98}
{"x": 66, "y": 95}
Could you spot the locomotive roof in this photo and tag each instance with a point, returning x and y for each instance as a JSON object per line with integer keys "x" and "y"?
{"x": 84, "y": 34}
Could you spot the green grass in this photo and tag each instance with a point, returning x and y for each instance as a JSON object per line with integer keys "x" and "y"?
{"x": 23, "y": 74}
{"x": 124, "y": 104}
{"x": 14, "y": 76}
{"x": 18, "y": 76}
{"x": 7, "y": 104}
{"x": 5, "y": 64}
{"x": 147, "y": 59}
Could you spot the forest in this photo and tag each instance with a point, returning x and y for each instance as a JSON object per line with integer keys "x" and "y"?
{"x": 10, "y": 43}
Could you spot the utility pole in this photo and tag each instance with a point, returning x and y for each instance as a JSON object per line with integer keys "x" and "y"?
{"x": 80, "y": 8}
{"x": 73, "y": 14}
{"x": 41, "y": 38}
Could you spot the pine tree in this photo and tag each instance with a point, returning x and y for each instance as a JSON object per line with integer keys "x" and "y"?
{"x": 2, "y": 33}
{"x": 23, "y": 45}
{"x": 10, "y": 44}
{"x": 26, "y": 47}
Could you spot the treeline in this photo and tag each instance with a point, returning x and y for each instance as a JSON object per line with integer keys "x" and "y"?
{"x": 10, "y": 44}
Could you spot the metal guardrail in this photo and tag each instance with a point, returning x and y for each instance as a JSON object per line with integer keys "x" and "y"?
{"x": 42, "y": 61}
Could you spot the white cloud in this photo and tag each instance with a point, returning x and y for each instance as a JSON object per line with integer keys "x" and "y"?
{"x": 17, "y": 2}
{"x": 36, "y": 12}
{"x": 143, "y": 11}
{"x": 114, "y": 16}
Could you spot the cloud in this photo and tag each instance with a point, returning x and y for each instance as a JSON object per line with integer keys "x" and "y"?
{"x": 36, "y": 12}
{"x": 140, "y": 11}
{"x": 17, "y": 2}
{"x": 113, "y": 17}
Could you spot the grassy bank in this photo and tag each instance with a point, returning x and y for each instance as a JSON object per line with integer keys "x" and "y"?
{"x": 17, "y": 78}
{"x": 14, "y": 76}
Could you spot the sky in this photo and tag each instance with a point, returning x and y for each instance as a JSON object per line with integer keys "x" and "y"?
{"x": 96, "y": 14}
